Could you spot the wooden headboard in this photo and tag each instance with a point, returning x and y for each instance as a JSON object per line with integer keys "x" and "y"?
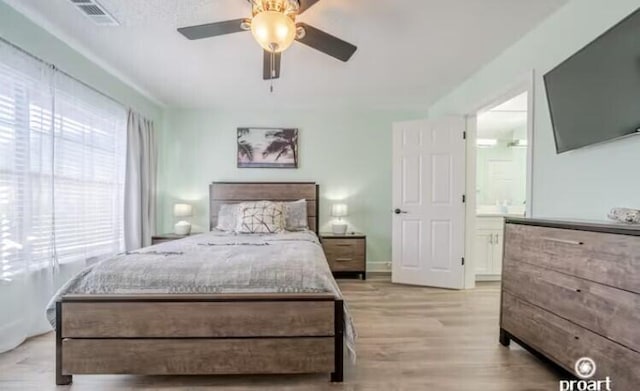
{"x": 235, "y": 192}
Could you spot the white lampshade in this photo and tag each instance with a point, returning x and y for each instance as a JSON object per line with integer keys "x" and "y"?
{"x": 339, "y": 210}
{"x": 182, "y": 210}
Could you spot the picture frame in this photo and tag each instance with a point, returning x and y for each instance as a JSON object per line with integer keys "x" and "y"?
{"x": 267, "y": 148}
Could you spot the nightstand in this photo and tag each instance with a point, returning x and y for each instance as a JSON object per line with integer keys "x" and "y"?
{"x": 161, "y": 238}
{"x": 346, "y": 254}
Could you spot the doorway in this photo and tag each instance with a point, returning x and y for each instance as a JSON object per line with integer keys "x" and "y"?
{"x": 438, "y": 238}
{"x": 499, "y": 157}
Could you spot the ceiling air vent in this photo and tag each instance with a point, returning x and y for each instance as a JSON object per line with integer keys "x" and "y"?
{"x": 96, "y": 12}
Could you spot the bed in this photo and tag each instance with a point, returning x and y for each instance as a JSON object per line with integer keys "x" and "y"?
{"x": 267, "y": 304}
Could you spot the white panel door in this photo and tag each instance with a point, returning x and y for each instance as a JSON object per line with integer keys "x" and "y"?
{"x": 428, "y": 210}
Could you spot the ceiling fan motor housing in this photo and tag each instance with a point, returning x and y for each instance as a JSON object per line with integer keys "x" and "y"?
{"x": 288, "y": 7}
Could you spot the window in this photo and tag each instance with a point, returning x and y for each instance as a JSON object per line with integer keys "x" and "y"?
{"x": 62, "y": 162}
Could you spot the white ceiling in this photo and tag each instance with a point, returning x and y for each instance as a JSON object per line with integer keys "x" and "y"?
{"x": 500, "y": 121}
{"x": 409, "y": 52}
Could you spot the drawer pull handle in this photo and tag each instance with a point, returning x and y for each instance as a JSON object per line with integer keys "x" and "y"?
{"x": 344, "y": 259}
{"x": 343, "y": 245}
{"x": 565, "y": 241}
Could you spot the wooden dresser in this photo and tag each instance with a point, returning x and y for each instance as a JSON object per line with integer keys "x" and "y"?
{"x": 572, "y": 290}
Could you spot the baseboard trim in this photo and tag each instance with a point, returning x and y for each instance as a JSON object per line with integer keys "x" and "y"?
{"x": 488, "y": 277}
{"x": 378, "y": 274}
{"x": 379, "y": 267}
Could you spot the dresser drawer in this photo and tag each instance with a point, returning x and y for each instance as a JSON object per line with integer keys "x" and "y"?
{"x": 565, "y": 343}
{"x": 345, "y": 254}
{"x": 610, "y": 312}
{"x": 609, "y": 259}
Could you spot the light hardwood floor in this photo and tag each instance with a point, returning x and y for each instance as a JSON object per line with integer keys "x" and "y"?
{"x": 410, "y": 338}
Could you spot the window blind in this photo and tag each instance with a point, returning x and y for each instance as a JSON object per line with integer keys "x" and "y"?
{"x": 89, "y": 167}
{"x": 62, "y": 162}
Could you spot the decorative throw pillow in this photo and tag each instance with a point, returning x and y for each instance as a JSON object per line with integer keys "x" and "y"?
{"x": 295, "y": 215}
{"x": 625, "y": 215}
{"x": 260, "y": 217}
{"x": 227, "y": 217}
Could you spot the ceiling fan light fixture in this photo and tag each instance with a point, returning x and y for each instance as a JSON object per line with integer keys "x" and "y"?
{"x": 274, "y": 31}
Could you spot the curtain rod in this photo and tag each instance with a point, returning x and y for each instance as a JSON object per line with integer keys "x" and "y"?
{"x": 55, "y": 68}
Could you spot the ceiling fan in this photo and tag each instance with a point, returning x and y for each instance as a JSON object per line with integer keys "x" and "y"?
{"x": 273, "y": 25}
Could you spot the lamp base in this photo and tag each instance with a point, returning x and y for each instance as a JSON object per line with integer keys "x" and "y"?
{"x": 182, "y": 228}
{"x": 339, "y": 228}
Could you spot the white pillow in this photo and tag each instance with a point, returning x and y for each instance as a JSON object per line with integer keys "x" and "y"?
{"x": 227, "y": 217}
{"x": 295, "y": 215}
{"x": 260, "y": 217}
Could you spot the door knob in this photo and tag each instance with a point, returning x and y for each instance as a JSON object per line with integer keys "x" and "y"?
{"x": 398, "y": 211}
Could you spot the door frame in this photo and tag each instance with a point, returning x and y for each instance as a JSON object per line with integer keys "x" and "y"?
{"x": 525, "y": 83}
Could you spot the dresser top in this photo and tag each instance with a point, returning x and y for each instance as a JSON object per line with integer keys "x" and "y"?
{"x": 581, "y": 225}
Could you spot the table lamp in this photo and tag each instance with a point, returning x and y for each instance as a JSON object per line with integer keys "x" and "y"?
{"x": 339, "y": 211}
{"x": 182, "y": 227}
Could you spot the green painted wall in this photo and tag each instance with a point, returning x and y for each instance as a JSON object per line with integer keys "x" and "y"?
{"x": 20, "y": 31}
{"x": 582, "y": 184}
{"x": 347, "y": 153}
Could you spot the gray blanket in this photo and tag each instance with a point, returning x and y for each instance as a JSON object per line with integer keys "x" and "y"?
{"x": 214, "y": 262}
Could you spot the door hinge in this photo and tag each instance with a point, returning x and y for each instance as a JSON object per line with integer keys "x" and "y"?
{"x": 464, "y": 135}
{"x": 464, "y": 198}
{"x": 462, "y": 261}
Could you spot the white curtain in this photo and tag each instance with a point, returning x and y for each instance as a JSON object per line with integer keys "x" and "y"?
{"x": 62, "y": 157}
{"x": 140, "y": 185}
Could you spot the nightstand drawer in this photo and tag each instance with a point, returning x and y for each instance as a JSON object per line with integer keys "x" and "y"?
{"x": 168, "y": 237}
{"x": 158, "y": 241}
{"x": 345, "y": 264}
{"x": 344, "y": 248}
{"x": 345, "y": 254}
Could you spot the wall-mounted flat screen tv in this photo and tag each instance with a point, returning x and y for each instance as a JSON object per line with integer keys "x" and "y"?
{"x": 594, "y": 96}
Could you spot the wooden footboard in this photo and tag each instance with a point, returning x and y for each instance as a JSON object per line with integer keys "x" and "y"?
{"x": 199, "y": 334}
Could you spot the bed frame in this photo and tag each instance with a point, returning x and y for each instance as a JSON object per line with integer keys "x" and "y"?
{"x": 205, "y": 334}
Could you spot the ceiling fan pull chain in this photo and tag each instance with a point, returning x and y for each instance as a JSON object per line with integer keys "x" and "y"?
{"x": 273, "y": 71}
{"x": 273, "y": 66}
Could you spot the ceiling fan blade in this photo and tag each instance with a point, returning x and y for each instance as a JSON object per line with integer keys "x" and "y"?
{"x": 212, "y": 29}
{"x": 305, "y": 5}
{"x": 326, "y": 43}
{"x": 266, "y": 66}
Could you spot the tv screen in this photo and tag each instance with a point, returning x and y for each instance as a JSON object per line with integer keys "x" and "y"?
{"x": 594, "y": 96}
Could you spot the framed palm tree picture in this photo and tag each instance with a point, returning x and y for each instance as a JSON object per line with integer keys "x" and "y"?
{"x": 267, "y": 148}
